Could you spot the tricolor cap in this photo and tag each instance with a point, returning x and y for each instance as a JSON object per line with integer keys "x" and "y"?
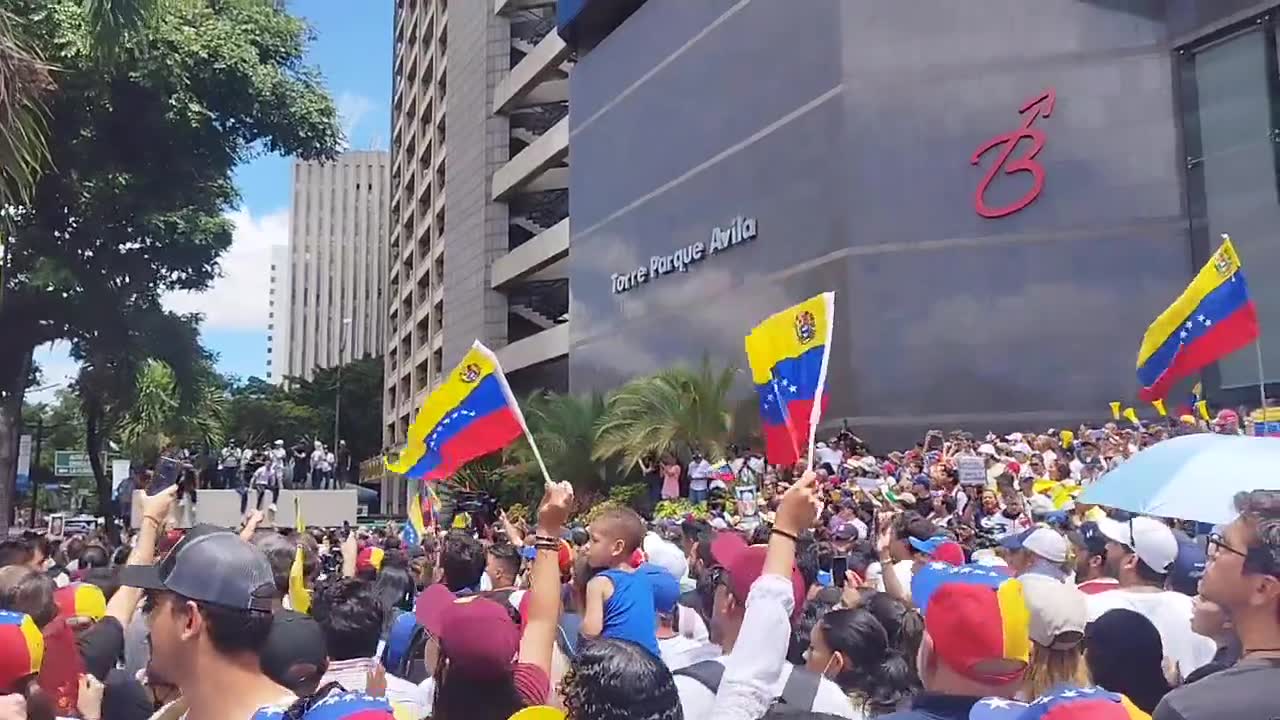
{"x": 977, "y": 619}
{"x": 21, "y": 649}
{"x": 81, "y": 600}
{"x": 1063, "y": 702}
{"x": 334, "y": 706}
{"x": 370, "y": 557}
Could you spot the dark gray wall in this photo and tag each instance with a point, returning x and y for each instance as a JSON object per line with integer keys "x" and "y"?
{"x": 846, "y": 129}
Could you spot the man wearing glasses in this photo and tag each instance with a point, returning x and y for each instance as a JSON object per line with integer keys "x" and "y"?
{"x": 1243, "y": 577}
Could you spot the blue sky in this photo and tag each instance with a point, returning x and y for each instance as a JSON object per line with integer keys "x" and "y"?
{"x": 352, "y": 48}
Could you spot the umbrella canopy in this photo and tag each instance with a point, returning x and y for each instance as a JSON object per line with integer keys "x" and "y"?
{"x": 1192, "y": 477}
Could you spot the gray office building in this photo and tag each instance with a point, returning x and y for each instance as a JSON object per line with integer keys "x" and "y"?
{"x": 1003, "y": 194}
{"x": 337, "y": 264}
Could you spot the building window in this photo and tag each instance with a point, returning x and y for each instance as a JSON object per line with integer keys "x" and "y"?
{"x": 1230, "y": 90}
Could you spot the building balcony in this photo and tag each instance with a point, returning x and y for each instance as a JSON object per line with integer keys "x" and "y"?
{"x": 542, "y": 251}
{"x": 539, "y": 348}
{"x": 542, "y": 63}
{"x": 543, "y": 155}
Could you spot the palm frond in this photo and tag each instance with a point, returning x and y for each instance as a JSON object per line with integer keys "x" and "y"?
{"x": 24, "y": 81}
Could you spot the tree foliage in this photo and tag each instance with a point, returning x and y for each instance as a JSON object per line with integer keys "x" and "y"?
{"x": 679, "y": 409}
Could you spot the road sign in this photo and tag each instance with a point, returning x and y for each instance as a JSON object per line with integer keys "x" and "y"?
{"x": 71, "y": 463}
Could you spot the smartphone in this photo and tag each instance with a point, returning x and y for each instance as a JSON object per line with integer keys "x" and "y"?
{"x": 166, "y": 474}
{"x": 839, "y": 566}
{"x": 933, "y": 440}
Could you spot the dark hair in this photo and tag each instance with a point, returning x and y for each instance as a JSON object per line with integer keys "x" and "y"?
{"x": 902, "y": 624}
{"x": 280, "y": 553}
{"x": 877, "y": 672}
{"x": 15, "y": 551}
{"x": 619, "y": 680}
{"x": 350, "y": 615}
{"x": 507, "y": 556}
{"x": 802, "y": 627}
{"x": 807, "y": 558}
{"x": 461, "y": 696}
{"x": 104, "y": 578}
{"x": 461, "y": 560}
{"x": 394, "y": 589}
{"x": 1124, "y": 654}
{"x": 28, "y": 591}
{"x": 782, "y": 711}
{"x": 72, "y": 548}
{"x": 232, "y": 631}
{"x": 1149, "y": 575}
{"x": 94, "y": 556}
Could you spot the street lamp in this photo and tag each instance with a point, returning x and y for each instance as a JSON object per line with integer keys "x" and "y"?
{"x": 337, "y": 395}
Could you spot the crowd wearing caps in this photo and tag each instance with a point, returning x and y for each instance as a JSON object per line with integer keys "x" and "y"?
{"x": 958, "y": 579}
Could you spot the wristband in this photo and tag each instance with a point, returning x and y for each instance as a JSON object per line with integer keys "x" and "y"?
{"x": 785, "y": 534}
{"x": 538, "y": 539}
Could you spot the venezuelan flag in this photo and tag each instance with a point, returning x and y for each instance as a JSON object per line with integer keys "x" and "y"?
{"x": 472, "y": 413}
{"x": 416, "y": 529}
{"x": 1212, "y": 318}
{"x": 788, "y": 355}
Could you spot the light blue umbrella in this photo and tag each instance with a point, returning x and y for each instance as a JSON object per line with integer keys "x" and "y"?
{"x": 1192, "y": 477}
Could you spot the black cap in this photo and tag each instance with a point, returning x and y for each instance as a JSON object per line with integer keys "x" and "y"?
{"x": 295, "y": 653}
{"x": 1089, "y": 539}
{"x": 211, "y": 565}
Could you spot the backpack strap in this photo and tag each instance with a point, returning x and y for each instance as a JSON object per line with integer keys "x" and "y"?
{"x": 708, "y": 673}
{"x": 801, "y": 688}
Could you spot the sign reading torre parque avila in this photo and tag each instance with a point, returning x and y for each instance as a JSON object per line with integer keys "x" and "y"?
{"x": 722, "y": 238}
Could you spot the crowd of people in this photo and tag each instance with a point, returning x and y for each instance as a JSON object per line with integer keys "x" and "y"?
{"x": 956, "y": 579}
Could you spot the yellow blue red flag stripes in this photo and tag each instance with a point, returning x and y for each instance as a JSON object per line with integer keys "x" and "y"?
{"x": 1212, "y": 318}
{"x": 472, "y": 413}
{"x": 788, "y": 354}
{"x": 415, "y": 529}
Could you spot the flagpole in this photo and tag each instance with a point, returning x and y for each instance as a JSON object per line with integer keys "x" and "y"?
{"x": 1262, "y": 380}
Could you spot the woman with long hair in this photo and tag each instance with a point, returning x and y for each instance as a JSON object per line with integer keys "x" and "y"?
{"x": 1125, "y": 655}
{"x": 394, "y": 588}
{"x": 903, "y": 626}
{"x": 619, "y": 680}
{"x": 1057, "y": 621}
{"x": 852, "y": 648}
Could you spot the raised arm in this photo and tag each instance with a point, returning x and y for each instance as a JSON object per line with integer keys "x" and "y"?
{"x": 538, "y": 640}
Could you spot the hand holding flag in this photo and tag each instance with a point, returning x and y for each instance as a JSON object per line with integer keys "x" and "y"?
{"x": 788, "y": 354}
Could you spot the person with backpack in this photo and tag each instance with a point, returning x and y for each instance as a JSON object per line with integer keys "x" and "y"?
{"x": 760, "y": 672}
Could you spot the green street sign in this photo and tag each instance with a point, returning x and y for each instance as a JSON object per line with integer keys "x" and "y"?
{"x": 71, "y": 463}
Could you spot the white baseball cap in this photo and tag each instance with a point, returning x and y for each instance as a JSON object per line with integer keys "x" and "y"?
{"x": 1058, "y": 612}
{"x": 1042, "y": 541}
{"x": 1151, "y": 540}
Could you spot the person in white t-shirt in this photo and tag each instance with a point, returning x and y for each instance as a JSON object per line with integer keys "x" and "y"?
{"x": 1140, "y": 553}
{"x": 699, "y": 478}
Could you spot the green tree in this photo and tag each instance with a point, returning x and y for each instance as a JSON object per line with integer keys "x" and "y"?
{"x": 564, "y": 426}
{"x": 259, "y": 413}
{"x": 361, "y": 419}
{"x": 143, "y": 144}
{"x": 674, "y": 410}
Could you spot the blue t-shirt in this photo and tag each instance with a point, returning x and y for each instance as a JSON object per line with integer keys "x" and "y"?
{"x": 629, "y": 613}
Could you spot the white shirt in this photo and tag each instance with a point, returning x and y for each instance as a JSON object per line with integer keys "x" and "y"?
{"x": 1038, "y": 504}
{"x": 679, "y": 651}
{"x": 756, "y": 671}
{"x": 699, "y": 472}
{"x": 352, "y": 674}
{"x": 902, "y": 569}
{"x": 1170, "y": 612}
{"x": 829, "y": 455}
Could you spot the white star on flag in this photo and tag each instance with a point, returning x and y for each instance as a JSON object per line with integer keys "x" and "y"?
{"x": 1207, "y": 322}
{"x": 1069, "y": 694}
{"x": 1183, "y": 335}
{"x": 997, "y": 703}
{"x": 1188, "y": 325}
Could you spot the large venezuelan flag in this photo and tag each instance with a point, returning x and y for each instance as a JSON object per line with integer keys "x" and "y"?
{"x": 472, "y": 413}
{"x": 1212, "y": 318}
{"x": 788, "y": 356}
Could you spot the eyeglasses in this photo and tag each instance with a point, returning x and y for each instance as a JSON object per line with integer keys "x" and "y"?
{"x": 1217, "y": 543}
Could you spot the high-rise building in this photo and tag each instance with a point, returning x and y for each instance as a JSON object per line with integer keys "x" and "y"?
{"x": 479, "y": 218}
{"x": 337, "y": 262}
{"x": 278, "y": 322}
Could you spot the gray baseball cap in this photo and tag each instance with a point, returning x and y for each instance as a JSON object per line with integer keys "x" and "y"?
{"x": 210, "y": 565}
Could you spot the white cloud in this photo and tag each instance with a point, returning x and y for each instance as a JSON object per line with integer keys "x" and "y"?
{"x": 352, "y": 109}
{"x": 238, "y": 299}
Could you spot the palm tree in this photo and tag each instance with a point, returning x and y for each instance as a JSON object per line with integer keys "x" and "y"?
{"x": 564, "y": 426}
{"x": 678, "y": 410}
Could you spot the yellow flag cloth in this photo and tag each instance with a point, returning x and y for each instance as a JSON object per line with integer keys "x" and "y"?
{"x": 1131, "y": 415}
{"x": 299, "y": 598}
{"x": 1158, "y": 404}
{"x": 1115, "y": 410}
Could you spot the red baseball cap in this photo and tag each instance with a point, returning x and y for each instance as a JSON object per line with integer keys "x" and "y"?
{"x": 476, "y": 634}
{"x": 950, "y": 553}
{"x": 978, "y": 630}
{"x": 745, "y": 563}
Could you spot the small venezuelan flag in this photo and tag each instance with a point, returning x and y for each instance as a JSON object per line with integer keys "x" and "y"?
{"x": 416, "y": 529}
{"x": 1212, "y": 318}
{"x": 472, "y": 413}
{"x": 788, "y": 354}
